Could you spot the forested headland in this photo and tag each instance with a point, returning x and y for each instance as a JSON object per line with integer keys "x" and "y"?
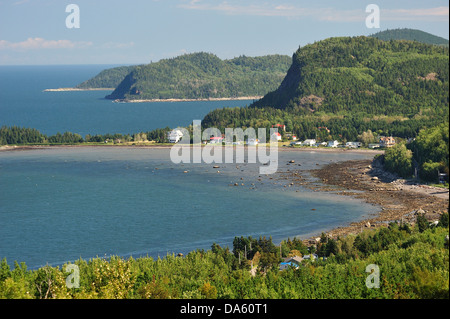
{"x": 354, "y": 81}
{"x": 108, "y": 78}
{"x": 356, "y": 88}
{"x": 193, "y": 76}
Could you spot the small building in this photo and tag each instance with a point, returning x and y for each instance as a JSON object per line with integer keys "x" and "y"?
{"x": 216, "y": 140}
{"x": 374, "y": 145}
{"x": 310, "y": 142}
{"x": 174, "y": 136}
{"x": 294, "y": 261}
{"x": 387, "y": 141}
{"x": 333, "y": 143}
{"x": 276, "y": 136}
{"x": 353, "y": 144}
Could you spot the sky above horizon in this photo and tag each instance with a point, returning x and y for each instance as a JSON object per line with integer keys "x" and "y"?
{"x": 35, "y": 32}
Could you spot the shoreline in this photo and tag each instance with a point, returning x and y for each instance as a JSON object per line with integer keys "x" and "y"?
{"x": 240, "y": 98}
{"x": 156, "y": 145}
{"x": 396, "y": 198}
{"x": 77, "y": 89}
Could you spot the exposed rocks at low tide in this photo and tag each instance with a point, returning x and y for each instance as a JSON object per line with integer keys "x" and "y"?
{"x": 399, "y": 200}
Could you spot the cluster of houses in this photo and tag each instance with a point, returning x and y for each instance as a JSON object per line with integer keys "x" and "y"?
{"x": 175, "y": 136}
{"x": 384, "y": 142}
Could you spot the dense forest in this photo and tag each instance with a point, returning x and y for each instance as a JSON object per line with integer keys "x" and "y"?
{"x": 108, "y": 78}
{"x": 203, "y": 75}
{"x": 351, "y": 85}
{"x": 15, "y": 135}
{"x": 410, "y": 35}
{"x": 365, "y": 75}
{"x": 413, "y": 261}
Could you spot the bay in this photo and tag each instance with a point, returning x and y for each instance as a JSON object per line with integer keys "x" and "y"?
{"x": 23, "y": 103}
{"x": 62, "y": 204}
{"x": 59, "y": 205}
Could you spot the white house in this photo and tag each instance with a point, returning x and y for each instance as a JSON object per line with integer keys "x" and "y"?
{"x": 353, "y": 144}
{"x": 309, "y": 142}
{"x": 387, "y": 141}
{"x": 174, "y": 136}
{"x": 276, "y": 136}
{"x": 333, "y": 143}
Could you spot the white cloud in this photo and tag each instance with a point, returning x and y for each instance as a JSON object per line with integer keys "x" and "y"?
{"x": 40, "y": 43}
{"x": 277, "y": 10}
{"x": 322, "y": 14}
{"x": 425, "y": 14}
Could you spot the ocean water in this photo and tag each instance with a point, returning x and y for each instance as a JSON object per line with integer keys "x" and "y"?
{"x": 23, "y": 103}
{"x": 62, "y": 204}
{"x": 59, "y": 205}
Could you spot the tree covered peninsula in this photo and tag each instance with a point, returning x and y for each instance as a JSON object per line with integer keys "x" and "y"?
{"x": 193, "y": 76}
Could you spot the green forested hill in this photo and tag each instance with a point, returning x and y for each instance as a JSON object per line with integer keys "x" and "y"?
{"x": 108, "y": 78}
{"x": 203, "y": 75}
{"x": 362, "y": 74}
{"x": 410, "y": 35}
{"x": 350, "y": 85}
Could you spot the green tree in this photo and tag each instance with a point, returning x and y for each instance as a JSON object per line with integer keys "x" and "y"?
{"x": 443, "y": 220}
{"x": 422, "y": 223}
{"x": 398, "y": 159}
{"x": 367, "y": 137}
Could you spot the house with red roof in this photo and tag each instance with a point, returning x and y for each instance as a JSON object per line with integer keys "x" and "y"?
{"x": 276, "y": 136}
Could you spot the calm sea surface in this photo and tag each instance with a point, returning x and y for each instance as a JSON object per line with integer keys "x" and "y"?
{"x": 62, "y": 204}
{"x": 23, "y": 103}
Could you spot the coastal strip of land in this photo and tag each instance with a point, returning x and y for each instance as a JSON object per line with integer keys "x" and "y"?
{"x": 238, "y": 98}
{"x": 168, "y": 145}
{"x": 77, "y": 89}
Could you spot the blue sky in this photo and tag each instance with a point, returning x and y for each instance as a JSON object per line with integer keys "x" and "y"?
{"x": 140, "y": 31}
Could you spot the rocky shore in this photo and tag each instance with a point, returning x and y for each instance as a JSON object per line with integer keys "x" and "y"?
{"x": 398, "y": 199}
